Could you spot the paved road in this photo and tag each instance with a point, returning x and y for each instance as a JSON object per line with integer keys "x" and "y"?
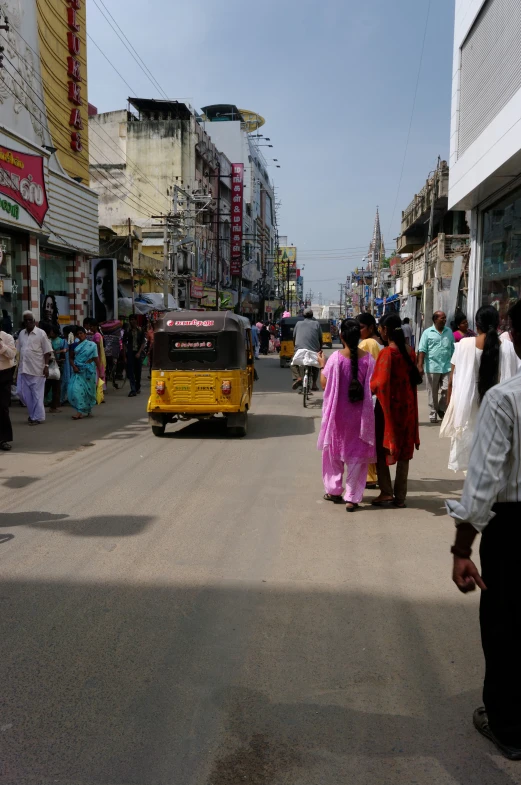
{"x": 188, "y": 611}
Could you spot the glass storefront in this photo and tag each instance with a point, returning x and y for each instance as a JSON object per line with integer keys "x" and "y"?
{"x": 54, "y": 296}
{"x": 11, "y": 306}
{"x": 501, "y": 285}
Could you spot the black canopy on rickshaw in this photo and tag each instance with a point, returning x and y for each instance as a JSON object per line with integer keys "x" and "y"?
{"x": 287, "y": 327}
{"x": 211, "y": 340}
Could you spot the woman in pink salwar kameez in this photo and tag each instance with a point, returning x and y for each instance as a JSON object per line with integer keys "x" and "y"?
{"x": 347, "y": 434}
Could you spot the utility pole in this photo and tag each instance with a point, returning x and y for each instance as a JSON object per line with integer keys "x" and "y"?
{"x": 166, "y": 255}
{"x": 341, "y": 287}
{"x": 373, "y": 271}
{"x": 176, "y": 269}
{"x": 131, "y": 254}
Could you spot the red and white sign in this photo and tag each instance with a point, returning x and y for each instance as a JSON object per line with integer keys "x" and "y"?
{"x": 237, "y": 218}
{"x": 22, "y": 180}
{"x": 74, "y": 74}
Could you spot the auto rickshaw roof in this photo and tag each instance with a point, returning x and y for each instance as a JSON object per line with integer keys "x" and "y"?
{"x": 200, "y": 321}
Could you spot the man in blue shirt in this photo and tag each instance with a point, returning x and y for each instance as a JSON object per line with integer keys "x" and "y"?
{"x": 435, "y": 353}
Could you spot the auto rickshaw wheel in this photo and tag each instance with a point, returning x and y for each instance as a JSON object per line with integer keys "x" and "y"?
{"x": 282, "y": 363}
{"x": 159, "y": 430}
{"x": 239, "y": 424}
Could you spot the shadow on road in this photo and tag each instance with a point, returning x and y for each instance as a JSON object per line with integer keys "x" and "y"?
{"x": 95, "y": 526}
{"x": 222, "y": 685}
{"x": 260, "y": 426}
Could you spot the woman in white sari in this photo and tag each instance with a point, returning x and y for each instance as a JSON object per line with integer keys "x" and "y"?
{"x": 477, "y": 365}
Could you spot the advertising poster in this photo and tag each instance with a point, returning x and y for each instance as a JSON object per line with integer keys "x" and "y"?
{"x": 286, "y": 256}
{"x": 196, "y": 288}
{"x": 104, "y": 289}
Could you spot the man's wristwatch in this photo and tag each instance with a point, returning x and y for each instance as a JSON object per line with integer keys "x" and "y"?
{"x": 461, "y": 553}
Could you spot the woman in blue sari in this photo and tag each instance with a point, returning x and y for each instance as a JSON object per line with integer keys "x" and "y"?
{"x": 82, "y": 384}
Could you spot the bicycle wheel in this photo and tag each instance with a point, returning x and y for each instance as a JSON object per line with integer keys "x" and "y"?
{"x": 305, "y": 388}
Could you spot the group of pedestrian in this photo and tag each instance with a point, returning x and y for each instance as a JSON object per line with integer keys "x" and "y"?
{"x": 357, "y": 431}
{"x": 58, "y": 368}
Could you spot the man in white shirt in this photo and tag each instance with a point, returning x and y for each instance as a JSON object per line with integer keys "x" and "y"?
{"x": 35, "y": 352}
{"x": 491, "y": 504}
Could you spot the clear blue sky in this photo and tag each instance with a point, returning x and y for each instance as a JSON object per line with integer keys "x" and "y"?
{"x": 335, "y": 81}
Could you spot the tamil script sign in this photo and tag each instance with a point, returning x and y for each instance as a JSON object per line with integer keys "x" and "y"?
{"x": 237, "y": 218}
{"x": 22, "y": 180}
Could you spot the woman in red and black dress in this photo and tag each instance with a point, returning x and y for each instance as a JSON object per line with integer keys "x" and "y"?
{"x": 394, "y": 383}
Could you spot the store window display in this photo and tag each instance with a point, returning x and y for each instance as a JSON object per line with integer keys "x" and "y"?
{"x": 54, "y": 298}
{"x": 502, "y": 254}
{"x": 10, "y": 286}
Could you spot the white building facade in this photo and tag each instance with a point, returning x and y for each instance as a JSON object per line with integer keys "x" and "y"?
{"x": 485, "y": 163}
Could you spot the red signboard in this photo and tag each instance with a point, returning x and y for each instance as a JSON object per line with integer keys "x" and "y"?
{"x": 22, "y": 180}
{"x": 237, "y": 218}
{"x": 74, "y": 74}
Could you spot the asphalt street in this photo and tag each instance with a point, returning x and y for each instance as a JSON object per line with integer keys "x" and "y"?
{"x": 189, "y": 611}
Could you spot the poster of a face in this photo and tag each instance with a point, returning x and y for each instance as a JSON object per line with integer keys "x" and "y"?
{"x": 104, "y": 289}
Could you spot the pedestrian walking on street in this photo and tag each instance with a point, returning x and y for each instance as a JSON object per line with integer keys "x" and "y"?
{"x": 477, "y": 365}
{"x": 264, "y": 338}
{"x": 407, "y": 331}
{"x": 6, "y": 323}
{"x": 52, "y": 393}
{"x": 370, "y": 342}
{"x": 435, "y": 353}
{"x": 134, "y": 346}
{"x": 7, "y": 362}
{"x": 491, "y": 504}
{"x": 60, "y": 348}
{"x": 460, "y": 327}
{"x": 394, "y": 383}
{"x": 255, "y": 339}
{"x": 347, "y": 433}
{"x": 82, "y": 385}
{"x": 34, "y": 349}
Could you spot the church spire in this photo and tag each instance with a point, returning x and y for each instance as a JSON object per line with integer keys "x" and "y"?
{"x": 376, "y": 245}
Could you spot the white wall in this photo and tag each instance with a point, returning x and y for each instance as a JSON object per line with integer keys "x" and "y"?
{"x": 496, "y": 154}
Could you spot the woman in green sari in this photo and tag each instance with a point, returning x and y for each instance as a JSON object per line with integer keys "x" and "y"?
{"x": 82, "y": 384}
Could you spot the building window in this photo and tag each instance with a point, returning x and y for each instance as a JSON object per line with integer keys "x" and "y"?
{"x": 502, "y": 254}
{"x": 11, "y": 285}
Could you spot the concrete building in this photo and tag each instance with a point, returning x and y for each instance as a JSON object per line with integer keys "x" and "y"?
{"x": 48, "y": 214}
{"x": 423, "y": 269}
{"x": 157, "y": 159}
{"x": 235, "y": 132}
{"x": 485, "y": 162}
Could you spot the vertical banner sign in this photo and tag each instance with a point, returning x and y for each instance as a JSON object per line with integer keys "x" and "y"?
{"x": 237, "y": 218}
{"x": 74, "y": 74}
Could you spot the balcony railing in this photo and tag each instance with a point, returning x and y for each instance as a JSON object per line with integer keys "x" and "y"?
{"x": 442, "y": 250}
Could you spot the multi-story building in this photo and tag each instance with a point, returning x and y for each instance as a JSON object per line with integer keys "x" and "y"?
{"x": 48, "y": 214}
{"x": 234, "y": 131}
{"x": 433, "y": 245}
{"x": 156, "y": 160}
{"x": 485, "y": 161}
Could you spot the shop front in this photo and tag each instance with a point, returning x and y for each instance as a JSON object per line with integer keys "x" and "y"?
{"x": 501, "y": 253}
{"x": 13, "y": 253}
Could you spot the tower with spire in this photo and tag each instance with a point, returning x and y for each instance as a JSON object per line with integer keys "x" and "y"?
{"x": 376, "y": 246}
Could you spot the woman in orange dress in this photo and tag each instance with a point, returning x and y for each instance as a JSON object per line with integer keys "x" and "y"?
{"x": 394, "y": 383}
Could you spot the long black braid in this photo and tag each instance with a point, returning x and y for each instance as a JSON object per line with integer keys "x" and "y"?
{"x": 350, "y": 332}
{"x": 393, "y": 325}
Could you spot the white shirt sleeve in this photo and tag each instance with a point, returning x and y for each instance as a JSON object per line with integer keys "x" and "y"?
{"x": 488, "y": 460}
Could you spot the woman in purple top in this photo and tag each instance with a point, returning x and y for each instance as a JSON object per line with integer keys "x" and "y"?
{"x": 460, "y": 327}
{"x": 347, "y": 434}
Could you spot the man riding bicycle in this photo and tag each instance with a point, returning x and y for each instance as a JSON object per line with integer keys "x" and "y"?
{"x": 306, "y": 335}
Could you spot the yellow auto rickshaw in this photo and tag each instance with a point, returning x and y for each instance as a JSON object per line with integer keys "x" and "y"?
{"x": 287, "y": 346}
{"x": 203, "y": 365}
{"x": 327, "y": 338}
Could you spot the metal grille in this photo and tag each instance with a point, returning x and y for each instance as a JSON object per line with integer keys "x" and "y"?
{"x": 490, "y": 68}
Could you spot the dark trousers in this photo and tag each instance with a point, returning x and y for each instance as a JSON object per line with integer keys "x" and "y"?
{"x": 500, "y": 619}
{"x": 382, "y": 469}
{"x": 55, "y": 385}
{"x": 134, "y": 367}
{"x": 6, "y": 380}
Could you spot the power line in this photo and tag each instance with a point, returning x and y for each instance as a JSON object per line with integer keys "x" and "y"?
{"x": 93, "y": 130}
{"x": 111, "y": 64}
{"x": 412, "y": 116}
{"x": 135, "y": 205}
{"x": 131, "y": 50}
